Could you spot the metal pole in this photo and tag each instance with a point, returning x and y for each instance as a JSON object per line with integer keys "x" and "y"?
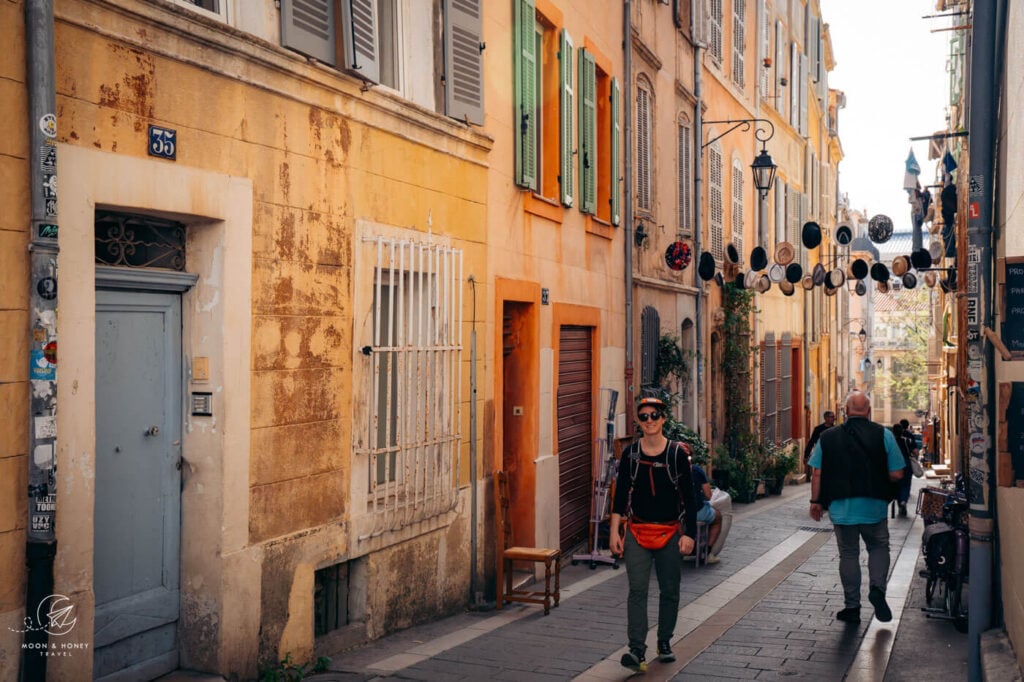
{"x": 627, "y": 191}
{"x": 698, "y": 193}
{"x": 474, "y": 595}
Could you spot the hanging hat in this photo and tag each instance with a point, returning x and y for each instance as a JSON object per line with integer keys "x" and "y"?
{"x": 719, "y": 280}
{"x": 859, "y": 269}
{"x": 861, "y": 288}
{"x": 830, "y": 291}
{"x": 706, "y": 266}
{"x": 900, "y": 265}
{"x": 921, "y": 259}
{"x": 730, "y": 270}
{"x": 763, "y": 284}
{"x": 731, "y": 253}
{"x": 909, "y": 280}
{"x": 879, "y": 272}
{"x": 776, "y": 273}
{"x": 930, "y": 278}
{"x": 935, "y": 250}
{"x": 678, "y": 255}
{"x": 758, "y": 258}
{"x": 880, "y": 228}
{"x": 946, "y": 285}
{"x": 786, "y": 287}
{"x": 835, "y": 278}
{"x": 794, "y": 272}
{"x": 784, "y": 253}
{"x": 882, "y": 286}
{"x": 749, "y": 279}
{"x": 844, "y": 235}
{"x": 810, "y": 235}
{"x": 807, "y": 282}
{"x": 818, "y": 274}
{"x": 738, "y": 281}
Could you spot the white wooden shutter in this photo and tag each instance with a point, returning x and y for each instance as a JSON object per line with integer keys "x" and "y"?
{"x": 715, "y": 200}
{"x": 567, "y": 170}
{"x": 803, "y": 94}
{"x": 765, "y": 52}
{"x": 779, "y": 70}
{"x": 794, "y": 85}
{"x": 463, "y": 61}
{"x": 739, "y": 42}
{"x": 737, "y": 206}
{"x": 307, "y": 26}
{"x": 525, "y": 93}
{"x": 643, "y": 149}
{"x": 715, "y": 29}
{"x": 684, "y": 196}
{"x": 359, "y": 35}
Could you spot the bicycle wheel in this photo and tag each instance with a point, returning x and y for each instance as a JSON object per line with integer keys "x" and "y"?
{"x": 929, "y": 590}
{"x": 955, "y": 608}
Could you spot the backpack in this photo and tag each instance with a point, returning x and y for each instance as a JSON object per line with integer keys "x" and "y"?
{"x": 671, "y": 463}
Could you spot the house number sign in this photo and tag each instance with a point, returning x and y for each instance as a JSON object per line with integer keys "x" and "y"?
{"x": 163, "y": 142}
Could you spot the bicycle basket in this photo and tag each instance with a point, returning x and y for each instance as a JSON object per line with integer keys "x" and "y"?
{"x": 929, "y": 503}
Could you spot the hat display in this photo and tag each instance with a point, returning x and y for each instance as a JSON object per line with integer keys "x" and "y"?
{"x": 900, "y": 265}
{"x": 706, "y": 266}
{"x": 879, "y": 272}
{"x": 930, "y": 278}
{"x": 921, "y": 259}
{"x": 935, "y": 250}
{"x": 794, "y": 272}
{"x": 882, "y": 286}
{"x": 880, "y": 228}
{"x": 749, "y": 279}
{"x": 861, "y": 288}
{"x": 807, "y": 282}
{"x": 844, "y": 235}
{"x": 678, "y": 255}
{"x": 859, "y": 268}
{"x": 810, "y": 235}
{"x": 776, "y": 273}
{"x": 818, "y": 274}
{"x": 763, "y": 284}
{"x": 784, "y": 253}
{"x": 786, "y": 287}
{"x": 909, "y": 280}
{"x": 731, "y": 253}
{"x": 758, "y": 258}
{"x": 738, "y": 281}
{"x": 835, "y": 278}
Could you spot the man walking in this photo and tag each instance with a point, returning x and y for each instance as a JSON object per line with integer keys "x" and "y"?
{"x": 830, "y": 420}
{"x": 854, "y": 467}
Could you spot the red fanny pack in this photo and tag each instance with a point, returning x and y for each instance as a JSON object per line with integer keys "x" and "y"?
{"x": 653, "y": 535}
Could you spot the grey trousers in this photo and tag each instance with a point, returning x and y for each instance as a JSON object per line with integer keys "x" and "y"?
{"x": 668, "y": 568}
{"x": 876, "y": 539}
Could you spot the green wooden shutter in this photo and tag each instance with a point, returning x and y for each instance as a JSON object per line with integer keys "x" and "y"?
{"x": 307, "y": 26}
{"x": 566, "y": 168}
{"x": 359, "y": 34}
{"x": 464, "y": 64}
{"x": 588, "y": 132}
{"x": 525, "y": 101}
{"x": 615, "y": 185}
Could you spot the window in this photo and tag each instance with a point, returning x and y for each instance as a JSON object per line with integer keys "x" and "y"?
{"x": 769, "y": 391}
{"x": 739, "y": 40}
{"x": 643, "y": 145}
{"x": 794, "y": 85}
{"x": 764, "y": 71}
{"x": 684, "y": 190}
{"x": 737, "y": 205}
{"x": 216, "y": 9}
{"x": 785, "y": 385}
{"x": 650, "y": 335}
{"x": 779, "y": 69}
{"x": 715, "y": 25}
{"x": 389, "y": 43}
{"x": 599, "y": 137}
{"x": 715, "y": 200}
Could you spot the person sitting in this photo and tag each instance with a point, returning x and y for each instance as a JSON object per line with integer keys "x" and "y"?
{"x": 705, "y": 512}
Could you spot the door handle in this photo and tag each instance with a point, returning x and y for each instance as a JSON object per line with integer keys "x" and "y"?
{"x": 153, "y": 430}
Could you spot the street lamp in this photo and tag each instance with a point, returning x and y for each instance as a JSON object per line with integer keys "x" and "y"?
{"x": 862, "y": 335}
{"x": 763, "y": 167}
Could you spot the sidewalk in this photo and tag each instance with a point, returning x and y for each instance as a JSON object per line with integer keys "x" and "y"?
{"x": 765, "y": 612}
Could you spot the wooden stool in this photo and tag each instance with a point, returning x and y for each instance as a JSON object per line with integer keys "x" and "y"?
{"x": 551, "y": 558}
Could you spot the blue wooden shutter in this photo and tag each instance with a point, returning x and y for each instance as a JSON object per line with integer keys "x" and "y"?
{"x": 359, "y": 28}
{"x": 588, "y": 132}
{"x": 307, "y": 26}
{"x": 524, "y": 60}
{"x": 615, "y": 184}
{"x": 463, "y": 61}
{"x": 567, "y": 169}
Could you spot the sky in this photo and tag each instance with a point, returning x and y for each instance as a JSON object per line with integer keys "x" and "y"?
{"x": 892, "y": 69}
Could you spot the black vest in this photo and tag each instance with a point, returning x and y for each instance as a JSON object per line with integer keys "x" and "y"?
{"x": 854, "y": 462}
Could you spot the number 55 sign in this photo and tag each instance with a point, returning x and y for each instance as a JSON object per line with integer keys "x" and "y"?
{"x": 163, "y": 142}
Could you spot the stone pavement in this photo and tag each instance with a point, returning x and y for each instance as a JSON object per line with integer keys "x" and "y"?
{"x": 765, "y": 612}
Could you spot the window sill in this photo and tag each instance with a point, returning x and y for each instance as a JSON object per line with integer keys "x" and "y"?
{"x": 543, "y": 207}
{"x": 600, "y": 227}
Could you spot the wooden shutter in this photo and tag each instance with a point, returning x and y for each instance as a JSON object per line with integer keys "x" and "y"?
{"x": 794, "y": 85}
{"x": 683, "y": 194}
{"x": 307, "y": 26}
{"x": 359, "y": 35}
{"x": 567, "y": 170}
{"x": 715, "y": 28}
{"x": 803, "y": 94}
{"x": 525, "y": 95}
{"x": 587, "y": 86}
{"x": 616, "y": 171}
{"x": 650, "y": 335}
{"x": 643, "y": 149}
{"x": 766, "y": 48}
{"x": 737, "y": 206}
{"x": 779, "y": 70}
{"x": 463, "y": 61}
{"x": 739, "y": 41}
{"x": 715, "y": 200}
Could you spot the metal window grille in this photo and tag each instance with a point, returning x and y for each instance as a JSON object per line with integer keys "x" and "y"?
{"x": 715, "y": 200}
{"x": 650, "y": 332}
{"x": 139, "y": 241}
{"x": 415, "y": 382}
{"x": 330, "y": 599}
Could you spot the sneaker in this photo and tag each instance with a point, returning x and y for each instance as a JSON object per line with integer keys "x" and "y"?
{"x": 711, "y": 559}
{"x": 877, "y": 599}
{"x": 634, "y": 660}
{"x": 850, "y": 615}
{"x": 665, "y": 654}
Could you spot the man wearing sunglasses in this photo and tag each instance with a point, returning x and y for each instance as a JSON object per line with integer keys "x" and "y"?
{"x": 653, "y": 488}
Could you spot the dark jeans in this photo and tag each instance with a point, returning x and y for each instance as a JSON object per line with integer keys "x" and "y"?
{"x": 668, "y": 568}
{"x": 876, "y": 539}
{"x": 908, "y": 478}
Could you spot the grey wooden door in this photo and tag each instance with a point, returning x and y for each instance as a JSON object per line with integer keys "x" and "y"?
{"x": 138, "y": 483}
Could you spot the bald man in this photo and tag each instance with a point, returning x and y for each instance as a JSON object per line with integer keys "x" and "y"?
{"x": 853, "y": 469}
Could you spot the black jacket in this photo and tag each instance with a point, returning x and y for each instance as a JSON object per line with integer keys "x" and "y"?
{"x": 854, "y": 462}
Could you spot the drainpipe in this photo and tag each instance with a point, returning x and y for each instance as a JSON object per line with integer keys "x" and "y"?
{"x": 982, "y": 122}
{"x": 41, "y": 543}
{"x": 475, "y": 598}
{"x": 698, "y": 192}
{"x": 627, "y": 192}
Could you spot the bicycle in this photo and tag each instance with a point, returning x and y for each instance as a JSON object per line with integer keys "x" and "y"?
{"x": 946, "y": 545}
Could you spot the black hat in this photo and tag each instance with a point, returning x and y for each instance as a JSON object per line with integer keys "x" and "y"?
{"x": 880, "y": 228}
{"x": 706, "y": 267}
{"x": 758, "y": 259}
{"x": 844, "y": 235}
{"x": 859, "y": 268}
{"x": 909, "y": 280}
{"x": 719, "y": 280}
{"x": 861, "y": 288}
{"x": 794, "y": 272}
{"x": 921, "y": 258}
{"x": 879, "y": 272}
{"x": 731, "y": 253}
{"x": 738, "y": 282}
{"x": 811, "y": 235}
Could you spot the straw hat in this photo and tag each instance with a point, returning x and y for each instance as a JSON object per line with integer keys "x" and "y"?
{"x": 807, "y": 282}
{"x": 749, "y": 279}
{"x": 758, "y": 258}
{"x": 763, "y": 284}
{"x": 786, "y": 287}
{"x": 776, "y": 273}
{"x": 784, "y": 253}
{"x": 794, "y": 272}
{"x": 810, "y": 235}
{"x": 930, "y": 278}
{"x": 900, "y": 265}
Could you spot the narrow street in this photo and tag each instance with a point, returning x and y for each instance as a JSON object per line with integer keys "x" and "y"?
{"x": 765, "y": 612}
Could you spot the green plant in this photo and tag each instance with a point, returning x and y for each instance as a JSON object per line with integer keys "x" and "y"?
{"x": 288, "y": 671}
{"x": 741, "y": 450}
{"x": 779, "y": 461}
